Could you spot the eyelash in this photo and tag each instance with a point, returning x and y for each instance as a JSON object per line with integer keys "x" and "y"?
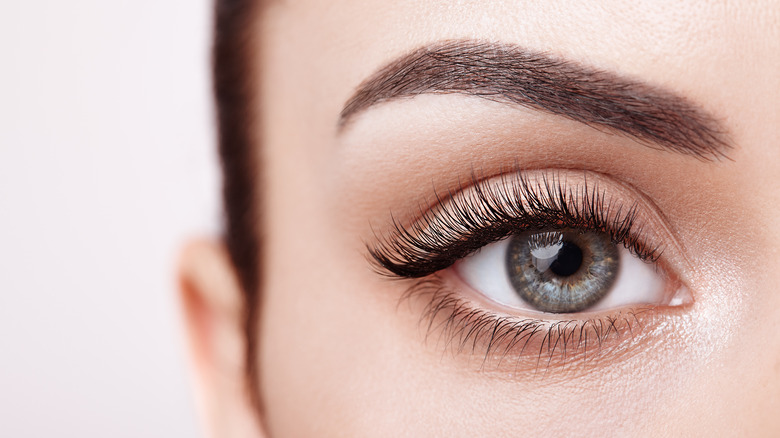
{"x": 464, "y": 327}
{"x": 463, "y": 222}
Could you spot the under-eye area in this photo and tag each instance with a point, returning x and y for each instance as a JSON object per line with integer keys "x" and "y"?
{"x": 546, "y": 267}
{"x": 452, "y": 323}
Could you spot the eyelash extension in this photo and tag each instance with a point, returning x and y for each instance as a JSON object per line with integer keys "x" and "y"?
{"x": 464, "y": 327}
{"x": 466, "y": 221}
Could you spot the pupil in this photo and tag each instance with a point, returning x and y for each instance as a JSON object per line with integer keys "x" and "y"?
{"x": 568, "y": 260}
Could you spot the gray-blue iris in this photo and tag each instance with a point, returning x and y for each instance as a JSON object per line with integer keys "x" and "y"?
{"x": 562, "y": 271}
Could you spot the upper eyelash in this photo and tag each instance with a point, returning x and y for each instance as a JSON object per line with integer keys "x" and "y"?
{"x": 463, "y": 222}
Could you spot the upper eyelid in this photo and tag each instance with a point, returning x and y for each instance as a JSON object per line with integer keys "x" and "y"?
{"x": 650, "y": 216}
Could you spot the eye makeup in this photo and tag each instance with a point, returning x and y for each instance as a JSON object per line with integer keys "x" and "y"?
{"x": 459, "y": 323}
{"x": 464, "y": 221}
{"x": 579, "y": 216}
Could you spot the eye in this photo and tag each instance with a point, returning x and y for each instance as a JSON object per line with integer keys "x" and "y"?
{"x": 560, "y": 259}
{"x": 566, "y": 271}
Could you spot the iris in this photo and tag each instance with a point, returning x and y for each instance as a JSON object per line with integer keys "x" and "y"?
{"x": 562, "y": 271}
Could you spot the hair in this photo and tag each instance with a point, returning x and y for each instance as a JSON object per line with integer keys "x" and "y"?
{"x": 234, "y": 76}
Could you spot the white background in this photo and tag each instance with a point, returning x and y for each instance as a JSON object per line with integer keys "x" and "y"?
{"x": 107, "y": 163}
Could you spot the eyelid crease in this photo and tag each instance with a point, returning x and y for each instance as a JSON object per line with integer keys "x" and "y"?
{"x": 490, "y": 209}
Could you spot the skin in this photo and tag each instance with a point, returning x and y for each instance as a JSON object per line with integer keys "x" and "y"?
{"x": 339, "y": 356}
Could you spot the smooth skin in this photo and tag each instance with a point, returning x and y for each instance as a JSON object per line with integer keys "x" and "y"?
{"x": 339, "y": 356}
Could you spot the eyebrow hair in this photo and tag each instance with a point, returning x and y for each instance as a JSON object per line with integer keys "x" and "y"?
{"x": 509, "y": 74}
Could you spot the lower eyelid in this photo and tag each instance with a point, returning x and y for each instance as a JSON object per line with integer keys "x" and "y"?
{"x": 460, "y": 325}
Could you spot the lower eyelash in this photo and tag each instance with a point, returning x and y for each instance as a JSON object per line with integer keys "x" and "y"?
{"x": 532, "y": 344}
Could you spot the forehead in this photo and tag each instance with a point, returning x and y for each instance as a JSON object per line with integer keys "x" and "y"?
{"x": 724, "y": 56}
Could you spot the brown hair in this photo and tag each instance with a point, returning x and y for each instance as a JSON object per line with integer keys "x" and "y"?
{"x": 234, "y": 75}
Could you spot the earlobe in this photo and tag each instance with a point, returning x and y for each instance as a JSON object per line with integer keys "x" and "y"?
{"x": 211, "y": 301}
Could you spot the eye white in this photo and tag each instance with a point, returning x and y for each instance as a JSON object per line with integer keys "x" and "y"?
{"x": 485, "y": 271}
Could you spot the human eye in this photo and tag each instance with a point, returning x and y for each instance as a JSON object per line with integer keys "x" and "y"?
{"x": 538, "y": 263}
{"x": 562, "y": 271}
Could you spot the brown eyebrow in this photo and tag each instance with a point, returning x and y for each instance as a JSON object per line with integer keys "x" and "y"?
{"x": 510, "y": 74}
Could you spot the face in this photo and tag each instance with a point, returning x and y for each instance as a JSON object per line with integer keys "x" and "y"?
{"x": 555, "y": 219}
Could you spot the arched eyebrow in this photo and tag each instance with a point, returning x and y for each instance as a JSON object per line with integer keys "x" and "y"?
{"x": 509, "y": 74}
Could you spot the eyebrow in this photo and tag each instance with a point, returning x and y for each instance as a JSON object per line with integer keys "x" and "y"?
{"x": 509, "y": 74}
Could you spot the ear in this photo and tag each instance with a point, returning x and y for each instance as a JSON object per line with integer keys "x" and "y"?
{"x": 212, "y": 304}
